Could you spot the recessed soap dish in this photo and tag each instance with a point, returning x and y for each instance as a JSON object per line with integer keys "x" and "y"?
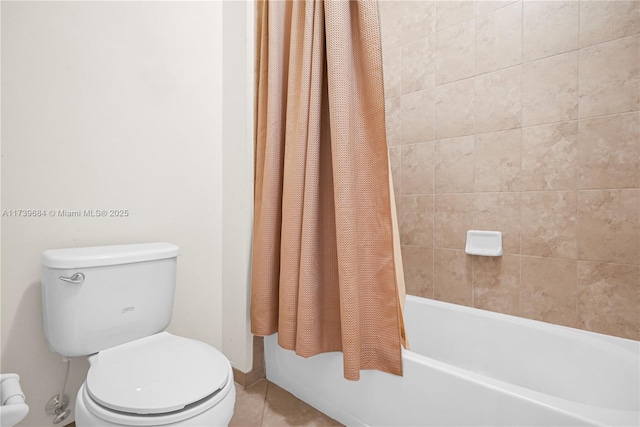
{"x": 484, "y": 243}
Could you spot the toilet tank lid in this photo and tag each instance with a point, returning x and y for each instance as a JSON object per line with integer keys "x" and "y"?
{"x": 98, "y": 256}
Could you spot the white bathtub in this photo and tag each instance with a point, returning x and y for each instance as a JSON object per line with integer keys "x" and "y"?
{"x": 470, "y": 367}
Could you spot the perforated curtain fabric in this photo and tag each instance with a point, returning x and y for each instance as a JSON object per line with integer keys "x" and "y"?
{"x": 324, "y": 273}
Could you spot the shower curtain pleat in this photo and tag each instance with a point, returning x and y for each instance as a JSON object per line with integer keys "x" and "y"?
{"x": 326, "y": 273}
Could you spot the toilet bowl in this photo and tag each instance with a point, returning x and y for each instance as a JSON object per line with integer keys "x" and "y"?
{"x": 155, "y": 381}
{"x": 112, "y": 305}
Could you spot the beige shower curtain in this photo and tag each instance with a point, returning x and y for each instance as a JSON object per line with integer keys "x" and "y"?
{"x": 326, "y": 273}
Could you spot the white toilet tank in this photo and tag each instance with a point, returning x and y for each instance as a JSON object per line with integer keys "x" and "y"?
{"x": 99, "y": 297}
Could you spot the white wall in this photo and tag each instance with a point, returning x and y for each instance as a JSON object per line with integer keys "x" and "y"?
{"x": 118, "y": 105}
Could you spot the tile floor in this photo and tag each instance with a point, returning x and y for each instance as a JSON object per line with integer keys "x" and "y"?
{"x": 267, "y": 405}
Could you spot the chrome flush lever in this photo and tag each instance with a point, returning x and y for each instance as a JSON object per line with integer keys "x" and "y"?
{"x": 77, "y": 279}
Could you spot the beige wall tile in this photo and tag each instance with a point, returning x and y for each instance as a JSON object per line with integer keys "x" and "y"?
{"x": 395, "y": 160}
{"x": 549, "y": 28}
{"x": 453, "y": 165}
{"x": 602, "y": 21}
{"x": 461, "y": 79}
{"x": 418, "y": 64}
{"x": 548, "y": 290}
{"x": 497, "y": 161}
{"x": 454, "y": 109}
{"x": 453, "y": 276}
{"x": 417, "y": 168}
{"x": 418, "y": 270}
{"x": 455, "y": 49}
{"x": 498, "y": 100}
{"x": 609, "y": 151}
{"x": 416, "y": 220}
{"x": 549, "y": 224}
{"x": 499, "y": 212}
{"x": 496, "y": 283}
{"x": 393, "y": 121}
{"x": 450, "y": 13}
{"x": 392, "y": 70}
{"x": 417, "y": 116}
{"x": 550, "y": 90}
{"x": 486, "y": 6}
{"x": 499, "y": 39}
{"x": 418, "y": 19}
{"x": 390, "y": 24}
{"x": 609, "y": 226}
{"x": 453, "y": 216}
{"x": 609, "y": 299}
{"x": 550, "y": 157}
{"x": 610, "y": 77}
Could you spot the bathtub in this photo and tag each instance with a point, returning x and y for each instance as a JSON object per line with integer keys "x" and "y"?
{"x": 470, "y": 367}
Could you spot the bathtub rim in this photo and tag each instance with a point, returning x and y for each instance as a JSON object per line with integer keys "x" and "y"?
{"x": 629, "y": 345}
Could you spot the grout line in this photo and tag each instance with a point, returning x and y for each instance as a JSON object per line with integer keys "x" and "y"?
{"x": 577, "y": 177}
{"x": 577, "y": 119}
{"x": 433, "y": 169}
{"x": 604, "y": 116}
{"x": 601, "y": 43}
{"x": 521, "y": 146}
{"x": 565, "y": 190}
{"x": 264, "y": 404}
{"x": 520, "y": 255}
{"x": 520, "y": 282}
{"x": 473, "y": 207}
{"x": 523, "y": 62}
{"x": 475, "y": 106}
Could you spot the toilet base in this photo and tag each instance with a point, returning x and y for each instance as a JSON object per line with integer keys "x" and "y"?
{"x": 218, "y": 415}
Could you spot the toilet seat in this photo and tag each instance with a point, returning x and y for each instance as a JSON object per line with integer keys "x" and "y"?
{"x": 156, "y": 375}
{"x": 215, "y": 410}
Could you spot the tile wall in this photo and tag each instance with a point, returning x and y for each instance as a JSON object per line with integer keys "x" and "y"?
{"x": 522, "y": 117}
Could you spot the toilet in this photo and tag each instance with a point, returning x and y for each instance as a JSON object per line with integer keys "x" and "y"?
{"x": 112, "y": 304}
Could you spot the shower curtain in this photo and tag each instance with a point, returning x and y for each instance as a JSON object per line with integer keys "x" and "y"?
{"x": 326, "y": 270}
